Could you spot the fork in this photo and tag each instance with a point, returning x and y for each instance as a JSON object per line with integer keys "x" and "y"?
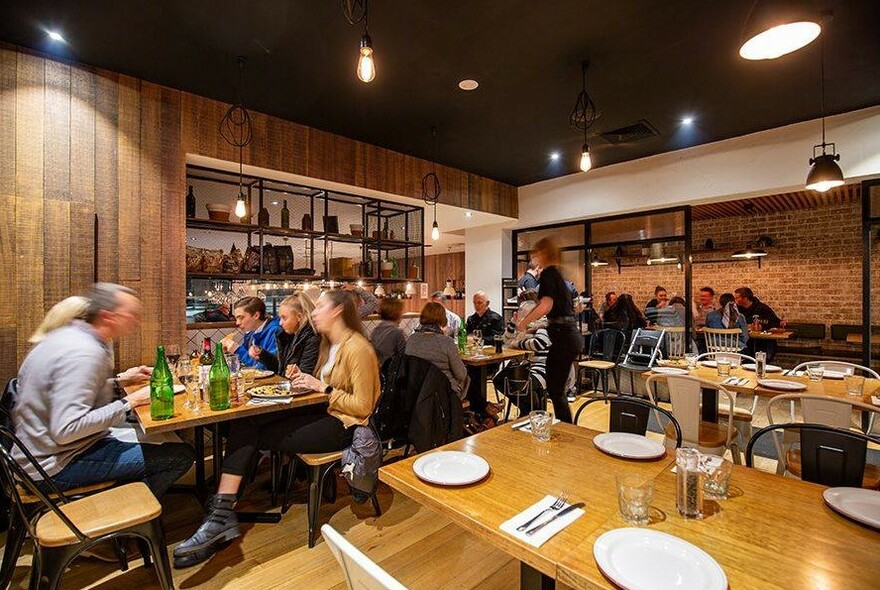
{"x": 557, "y": 505}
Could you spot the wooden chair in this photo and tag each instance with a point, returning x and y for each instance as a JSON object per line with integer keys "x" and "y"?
{"x": 630, "y": 414}
{"x": 722, "y": 339}
{"x": 675, "y": 342}
{"x": 826, "y": 411}
{"x": 604, "y": 353}
{"x": 64, "y": 528}
{"x": 827, "y": 455}
{"x": 359, "y": 570}
{"x": 839, "y": 366}
{"x": 685, "y": 394}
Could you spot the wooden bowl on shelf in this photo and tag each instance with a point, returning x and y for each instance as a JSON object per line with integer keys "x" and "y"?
{"x": 218, "y": 211}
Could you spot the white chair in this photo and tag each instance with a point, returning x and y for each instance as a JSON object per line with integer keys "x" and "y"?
{"x": 818, "y": 409}
{"x": 722, "y": 339}
{"x": 840, "y": 367}
{"x": 742, "y": 416}
{"x": 360, "y": 572}
{"x": 686, "y": 396}
{"x": 675, "y": 342}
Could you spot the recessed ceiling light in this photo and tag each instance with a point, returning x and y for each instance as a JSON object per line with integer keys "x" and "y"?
{"x": 468, "y": 84}
{"x": 554, "y": 156}
{"x": 55, "y": 36}
{"x": 687, "y": 120}
{"x": 468, "y": 213}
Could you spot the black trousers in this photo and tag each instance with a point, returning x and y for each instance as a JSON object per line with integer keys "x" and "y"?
{"x": 304, "y": 430}
{"x": 565, "y": 346}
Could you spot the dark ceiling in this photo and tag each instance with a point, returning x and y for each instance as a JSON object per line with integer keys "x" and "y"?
{"x": 654, "y": 60}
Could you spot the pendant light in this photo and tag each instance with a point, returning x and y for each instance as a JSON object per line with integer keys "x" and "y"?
{"x": 777, "y": 27}
{"x": 356, "y": 11}
{"x": 431, "y": 188}
{"x": 596, "y": 261}
{"x": 749, "y": 253}
{"x": 236, "y": 129}
{"x": 582, "y": 117}
{"x": 658, "y": 255}
{"x": 824, "y": 172}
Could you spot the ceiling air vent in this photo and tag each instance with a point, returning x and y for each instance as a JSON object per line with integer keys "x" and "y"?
{"x": 639, "y": 131}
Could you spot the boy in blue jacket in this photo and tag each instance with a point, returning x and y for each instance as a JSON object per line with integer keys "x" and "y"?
{"x": 259, "y": 331}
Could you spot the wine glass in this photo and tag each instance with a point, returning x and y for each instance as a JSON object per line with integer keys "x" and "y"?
{"x": 172, "y": 355}
{"x": 189, "y": 378}
{"x": 478, "y": 340}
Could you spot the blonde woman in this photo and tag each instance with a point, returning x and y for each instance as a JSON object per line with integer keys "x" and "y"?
{"x": 61, "y": 314}
{"x": 297, "y": 342}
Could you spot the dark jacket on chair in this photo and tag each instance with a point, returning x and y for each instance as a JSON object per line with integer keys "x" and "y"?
{"x": 299, "y": 349}
{"x": 417, "y": 405}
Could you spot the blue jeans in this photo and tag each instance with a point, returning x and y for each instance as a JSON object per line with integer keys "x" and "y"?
{"x": 109, "y": 459}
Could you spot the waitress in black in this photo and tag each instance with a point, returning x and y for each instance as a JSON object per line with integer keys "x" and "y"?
{"x": 555, "y": 301}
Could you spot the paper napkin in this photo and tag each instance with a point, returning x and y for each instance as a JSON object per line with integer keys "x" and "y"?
{"x": 543, "y": 535}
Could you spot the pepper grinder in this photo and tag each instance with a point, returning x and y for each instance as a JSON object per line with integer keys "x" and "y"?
{"x": 689, "y": 488}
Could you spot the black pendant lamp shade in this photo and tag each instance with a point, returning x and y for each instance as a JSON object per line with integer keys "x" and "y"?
{"x": 824, "y": 171}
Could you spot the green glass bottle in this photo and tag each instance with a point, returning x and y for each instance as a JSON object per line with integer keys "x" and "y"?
{"x": 218, "y": 382}
{"x": 161, "y": 388}
{"x": 462, "y": 338}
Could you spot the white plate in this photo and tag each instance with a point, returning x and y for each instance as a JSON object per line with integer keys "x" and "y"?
{"x": 768, "y": 368}
{"x": 857, "y": 503}
{"x": 644, "y": 559}
{"x": 451, "y": 468}
{"x": 669, "y": 370}
{"x": 782, "y": 384}
{"x": 260, "y": 393}
{"x": 629, "y": 446}
{"x": 710, "y": 364}
{"x": 833, "y": 374}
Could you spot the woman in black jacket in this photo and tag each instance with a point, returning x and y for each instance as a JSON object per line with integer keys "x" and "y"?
{"x": 297, "y": 340}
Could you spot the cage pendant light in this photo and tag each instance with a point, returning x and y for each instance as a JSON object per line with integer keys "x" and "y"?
{"x": 824, "y": 172}
{"x": 582, "y": 117}
{"x": 431, "y": 188}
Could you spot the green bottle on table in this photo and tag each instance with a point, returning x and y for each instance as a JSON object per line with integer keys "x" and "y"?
{"x": 462, "y": 339}
{"x": 218, "y": 382}
{"x": 161, "y": 388}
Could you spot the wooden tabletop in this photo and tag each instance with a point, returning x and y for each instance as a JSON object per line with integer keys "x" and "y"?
{"x": 768, "y": 335}
{"x": 490, "y": 357}
{"x": 184, "y": 418}
{"x": 773, "y": 532}
{"x": 523, "y": 471}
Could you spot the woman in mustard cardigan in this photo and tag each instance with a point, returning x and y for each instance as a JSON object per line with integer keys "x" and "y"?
{"x": 347, "y": 370}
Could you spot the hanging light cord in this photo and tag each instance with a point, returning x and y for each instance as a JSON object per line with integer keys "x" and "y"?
{"x": 431, "y": 188}
{"x": 235, "y": 126}
{"x": 822, "y": 84}
{"x": 584, "y": 113}
{"x": 354, "y": 11}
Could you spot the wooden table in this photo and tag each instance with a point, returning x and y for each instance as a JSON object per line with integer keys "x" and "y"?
{"x": 767, "y": 335}
{"x": 523, "y": 471}
{"x": 478, "y": 367}
{"x": 856, "y": 338}
{"x": 773, "y": 532}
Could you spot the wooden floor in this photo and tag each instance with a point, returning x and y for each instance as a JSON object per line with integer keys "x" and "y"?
{"x": 417, "y": 546}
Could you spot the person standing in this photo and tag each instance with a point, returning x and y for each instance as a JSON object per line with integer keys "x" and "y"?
{"x": 65, "y": 404}
{"x": 529, "y": 280}
{"x": 259, "y": 332}
{"x": 554, "y": 301}
{"x": 484, "y": 319}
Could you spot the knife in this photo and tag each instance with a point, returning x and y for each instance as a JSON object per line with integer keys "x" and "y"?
{"x": 563, "y": 512}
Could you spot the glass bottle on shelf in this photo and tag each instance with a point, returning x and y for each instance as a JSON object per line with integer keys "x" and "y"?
{"x": 285, "y": 216}
{"x": 218, "y": 382}
{"x": 190, "y": 203}
{"x": 161, "y": 388}
{"x": 307, "y": 222}
{"x": 263, "y": 217}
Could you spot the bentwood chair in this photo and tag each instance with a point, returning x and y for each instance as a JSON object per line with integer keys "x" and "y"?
{"x": 722, "y": 339}
{"x": 840, "y": 367}
{"x": 604, "y": 352}
{"x": 686, "y": 396}
{"x": 819, "y": 409}
{"x": 64, "y": 528}
{"x": 675, "y": 345}
{"x": 834, "y": 457}
{"x": 360, "y": 572}
{"x": 631, "y": 414}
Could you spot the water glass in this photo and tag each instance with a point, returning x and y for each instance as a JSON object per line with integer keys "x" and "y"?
{"x": 478, "y": 340}
{"x": 855, "y": 384}
{"x": 634, "y": 495}
{"x": 815, "y": 372}
{"x": 716, "y": 476}
{"x": 723, "y": 367}
{"x": 247, "y": 379}
{"x": 691, "y": 359}
{"x": 540, "y": 422}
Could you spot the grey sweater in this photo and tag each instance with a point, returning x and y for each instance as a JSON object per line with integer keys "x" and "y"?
{"x": 65, "y": 397}
{"x": 442, "y": 352}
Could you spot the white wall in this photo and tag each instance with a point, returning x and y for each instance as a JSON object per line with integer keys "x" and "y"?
{"x": 761, "y": 163}
{"x": 487, "y": 259}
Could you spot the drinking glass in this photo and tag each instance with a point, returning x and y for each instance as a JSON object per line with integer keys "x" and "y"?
{"x": 478, "y": 340}
{"x": 247, "y": 379}
{"x": 815, "y": 372}
{"x": 540, "y": 422}
{"x": 691, "y": 359}
{"x": 716, "y": 476}
{"x": 855, "y": 384}
{"x": 723, "y": 367}
{"x": 189, "y": 379}
{"x": 634, "y": 495}
{"x": 234, "y": 364}
{"x": 172, "y": 355}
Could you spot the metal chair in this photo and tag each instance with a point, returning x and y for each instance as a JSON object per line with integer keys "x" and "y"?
{"x": 840, "y": 367}
{"x": 359, "y": 570}
{"x": 62, "y": 535}
{"x": 722, "y": 339}
{"x": 828, "y": 456}
{"x": 685, "y": 394}
{"x": 643, "y": 352}
{"x": 742, "y": 416}
{"x": 630, "y": 414}
{"x": 518, "y": 384}
{"x": 604, "y": 352}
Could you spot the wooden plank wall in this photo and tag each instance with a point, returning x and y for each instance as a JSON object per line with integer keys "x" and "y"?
{"x": 76, "y": 142}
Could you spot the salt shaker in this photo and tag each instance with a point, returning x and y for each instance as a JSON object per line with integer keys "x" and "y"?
{"x": 760, "y": 364}
{"x": 689, "y": 488}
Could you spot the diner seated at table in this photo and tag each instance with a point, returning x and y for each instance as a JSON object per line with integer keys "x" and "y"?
{"x": 672, "y": 314}
{"x": 534, "y": 338}
{"x": 488, "y": 322}
{"x": 259, "y": 332}
{"x": 296, "y": 343}
{"x": 387, "y": 337}
{"x": 453, "y": 322}
{"x": 347, "y": 371}
{"x": 428, "y": 342}
{"x": 753, "y": 308}
{"x": 623, "y": 315}
{"x": 660, "y": 300}
{"x": 727, "y": 316}
{"x": 68, "y": 398}
{"x": 703, "y": 305}
{"x": 607, "y": 302}
{"x": 367, "y": 303}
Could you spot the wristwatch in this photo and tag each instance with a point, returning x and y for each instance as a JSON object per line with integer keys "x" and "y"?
{"x": 328, "y": 390}
{"x": 126, "y": 406}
